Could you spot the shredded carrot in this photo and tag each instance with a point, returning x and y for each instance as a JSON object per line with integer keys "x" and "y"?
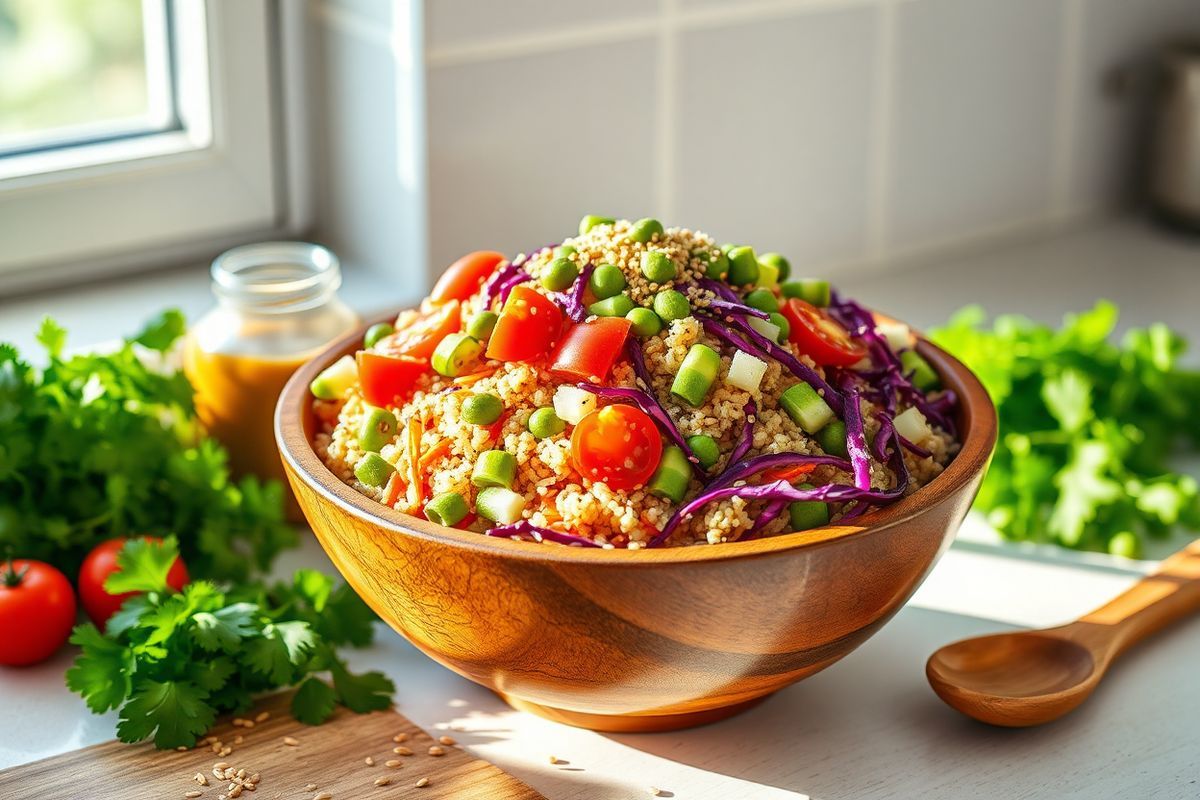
{"x": 417, "y": 489}
{"x": 787, "y": 473}
{"x": 434, "y": 453}
{"x": 391, "y": 492}
{"x": 478, "y": 375}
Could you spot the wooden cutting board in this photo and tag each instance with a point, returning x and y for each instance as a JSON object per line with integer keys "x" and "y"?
{"x": 293, "y": 762}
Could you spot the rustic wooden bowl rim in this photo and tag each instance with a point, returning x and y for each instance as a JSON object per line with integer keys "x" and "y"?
{"x": 977, "y": 424}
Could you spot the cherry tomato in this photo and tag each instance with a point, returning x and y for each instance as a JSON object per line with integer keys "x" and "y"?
{"x": 383, "y": 378}
{"x": 589, "y": 349}
{"x": 464, "y": 277}
{"x": 102, "y": 562}
{"x": 37, "y": 611}
{"x": 825, "y": 341}
{"x": 528, "y": 327}
{"x": 421, "y": 336}
{"x": 617, "y": 444}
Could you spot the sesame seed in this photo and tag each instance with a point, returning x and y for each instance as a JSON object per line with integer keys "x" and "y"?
{"x": 384, "y": 781}
{"x": 655, "y": 791}
{"x": 323, "y": 796}
{"x": 392, "y": 762}
{"x": 434, "y": 750}
{"x": 400, "y": 737}
{"x": 291, "y": 741}
{"x": 200, "y": 779}
{"x": 402, "y": 751}
{"x": 370, "y": 762}
{"x": 421, "y": 784}
{"x": 311, "y": 787}
{"x": 263, "y": 716}
{"x": 447, "y": 740}
{"x": 192, "y": 794}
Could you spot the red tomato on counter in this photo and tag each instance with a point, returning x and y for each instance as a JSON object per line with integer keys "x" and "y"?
{"x": 102, "y": 562}
{"x": 37, "y": 611}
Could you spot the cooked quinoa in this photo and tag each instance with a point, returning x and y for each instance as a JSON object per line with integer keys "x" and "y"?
{"x": 550, "y": 491}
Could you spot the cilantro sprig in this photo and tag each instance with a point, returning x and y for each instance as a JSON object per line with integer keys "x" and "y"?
{"x": 1087, "y": 428}
{"x": 99, "y": 445}
{"x": 172, "y": 661}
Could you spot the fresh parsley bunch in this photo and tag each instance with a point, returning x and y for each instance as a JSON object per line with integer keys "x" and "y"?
{"x": 1087, "y": 428}
{"x": 172, "y": 661}
{"x": 106, "y": 444}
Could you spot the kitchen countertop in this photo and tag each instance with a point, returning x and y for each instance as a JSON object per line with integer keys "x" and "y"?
{"x": 867, "y": 728}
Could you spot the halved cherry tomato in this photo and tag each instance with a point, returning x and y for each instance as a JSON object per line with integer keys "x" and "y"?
{"x": 422, "y": 334}
{"x": 464, "y": 277}
{"x": 617, "y": 444}
{"x": 528, "y": 327}
{"x": 384, "y": 378}
{"x": 827, "y": 342}
{"x": 589, "y": 349}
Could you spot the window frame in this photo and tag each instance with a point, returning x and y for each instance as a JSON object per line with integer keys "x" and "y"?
{"x": 99, "y": 209}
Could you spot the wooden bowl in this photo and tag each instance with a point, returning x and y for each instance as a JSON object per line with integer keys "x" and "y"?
{"x": 620, "y": 640}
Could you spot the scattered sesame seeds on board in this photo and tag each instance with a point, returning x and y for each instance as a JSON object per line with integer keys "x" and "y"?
{"x": 329, "y": 759}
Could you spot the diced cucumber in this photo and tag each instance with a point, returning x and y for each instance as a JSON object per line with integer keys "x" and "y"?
{"x": 767, "y": 329}
{"x": 446, "y": 509}
{"x": 377, "y": 429}
{"x": 814, "y": 292}
{"x": 373, "y": 470}
{"x": 670, "y": 480}
{"x": 616, "y": 306}
{"x": 923, "y": 375}
{"x": 743, "y": 266}
{"x": 746, "y": 371}
{"x": 499, "y": 505}
{"x": 785, "y": 327}
{"x": 912, "y": 425}
{"x": 572, "y": 404}
{"x": 832, "y": 439}
{"x": 696, "y": 374}
{"x": 494, "y": 468}
{"x": 897, "y": 334}
{"x": 335, "y": 379}
{"x": 455, "y": 353}
{"x": 806, "y": 408}
{"x": 808, "y": 514}
{"x": 783, "y": 268}
{"x": 705, "y": 448}
{"x": 768, "y": 275}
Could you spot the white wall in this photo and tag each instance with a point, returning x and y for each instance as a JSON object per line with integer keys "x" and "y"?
{"x": 843, "y": 133}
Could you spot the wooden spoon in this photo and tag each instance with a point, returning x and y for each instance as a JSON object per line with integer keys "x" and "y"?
{"x": 1030, "y": 677}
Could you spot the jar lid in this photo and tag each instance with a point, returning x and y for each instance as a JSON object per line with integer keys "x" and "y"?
{"x": 276, "y": 277}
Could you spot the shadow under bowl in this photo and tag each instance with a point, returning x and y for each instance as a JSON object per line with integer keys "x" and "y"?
{"x": 620, "y": 640}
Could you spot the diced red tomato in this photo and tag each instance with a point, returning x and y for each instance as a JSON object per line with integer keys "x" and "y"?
{"x": 617, "y": 444}
{"x": 827, "y": 342}
{"x": 384, "y": 378}
{"x": 528, "y": 327}
{"x": 589, "y": 350}
{"x": 464, "y": 277}
{"x": 421, "y": 336}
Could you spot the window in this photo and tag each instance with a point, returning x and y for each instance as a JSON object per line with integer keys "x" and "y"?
{"x": 136, "y": 131}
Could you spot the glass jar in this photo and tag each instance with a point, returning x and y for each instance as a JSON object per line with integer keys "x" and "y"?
{"x": 277, "y": 307}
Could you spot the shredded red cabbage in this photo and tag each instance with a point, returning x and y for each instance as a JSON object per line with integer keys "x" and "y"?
{"x": 646, "y": 402}
{"x": 856, "y": 442}
{"x": 572, "y": 301}
{"x": 506, "y": 287}
{"x": 736, "y": 308}
{"x": 746, "y": 439}
{"x": 525, "y": 528}
{"x": 721, "y": 290}
{"x": 765, "y": 517}
{"x": 764, "y": 348}
{"x": 742, "y": 470}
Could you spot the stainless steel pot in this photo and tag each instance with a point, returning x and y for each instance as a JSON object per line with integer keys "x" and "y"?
{"x": 1175, "y": 166}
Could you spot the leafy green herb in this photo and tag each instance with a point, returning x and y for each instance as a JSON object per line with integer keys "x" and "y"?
{"x": 102, "y": 445}
{"x": 1087, "y": 428}
{"x": 172, "y": 661}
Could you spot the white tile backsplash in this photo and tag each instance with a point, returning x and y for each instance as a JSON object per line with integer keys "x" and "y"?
{"x": 973, "y": 98}
{"x": 520, "y": 148}
{"x": 840, "y": 132}
{"x": 781, "y": 163}
{"x": 454, "y": 22}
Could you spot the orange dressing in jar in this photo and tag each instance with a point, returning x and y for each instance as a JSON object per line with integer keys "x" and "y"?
{"x": 277, "y": 308}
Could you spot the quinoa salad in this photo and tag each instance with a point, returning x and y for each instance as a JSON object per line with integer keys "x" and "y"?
{"x": 634, "y": 386}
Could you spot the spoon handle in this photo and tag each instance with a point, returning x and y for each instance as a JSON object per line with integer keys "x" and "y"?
{"x": 1154, "y": 602}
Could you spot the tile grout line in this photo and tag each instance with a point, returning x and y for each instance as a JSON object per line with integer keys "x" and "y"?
{"x": 665, "y": 111}
{"x": 1066, "y": 92}
{"x": 880, "y": 157}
